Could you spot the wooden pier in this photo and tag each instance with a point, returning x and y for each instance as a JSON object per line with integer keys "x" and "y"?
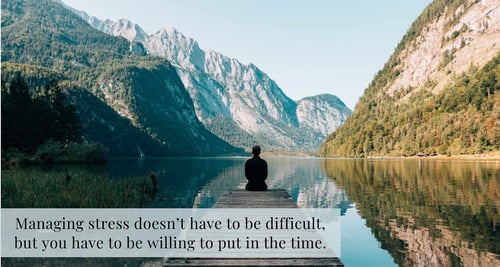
{"x": 254, "y": 262}
{"x": 273, "y": 198}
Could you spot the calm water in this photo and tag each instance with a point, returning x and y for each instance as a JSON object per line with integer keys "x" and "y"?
{"x": 394, "y": 212}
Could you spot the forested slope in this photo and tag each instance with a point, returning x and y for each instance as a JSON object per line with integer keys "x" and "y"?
{"x": 130, "y": 102}
{"x": 437, "y": 93}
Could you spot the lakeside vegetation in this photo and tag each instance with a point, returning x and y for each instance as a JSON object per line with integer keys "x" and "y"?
{"x": 56, "y": 152}
{"x": 35, "y": 188}
{"x": 42, "y": 126}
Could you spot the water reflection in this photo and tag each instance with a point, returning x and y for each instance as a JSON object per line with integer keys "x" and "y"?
{"x": 303, "y": 178}
{"x": 423, "y": 212}
{"x": 427, "y": 213}
{"x": 182, "y": 180}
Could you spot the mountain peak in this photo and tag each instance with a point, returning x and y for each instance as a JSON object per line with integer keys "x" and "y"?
{"x": 231, "y": 97}
{"x": 323, "y": 113}
{"x": 123, "y": 27}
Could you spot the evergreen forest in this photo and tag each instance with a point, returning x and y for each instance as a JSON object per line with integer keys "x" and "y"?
{"x": 461, "y": 119}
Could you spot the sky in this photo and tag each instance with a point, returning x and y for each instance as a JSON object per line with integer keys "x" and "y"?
{"x": 308, "y": 47}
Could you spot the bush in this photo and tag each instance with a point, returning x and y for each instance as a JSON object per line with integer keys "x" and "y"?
{"x": 72, "y": 152}
{"x": 57, "y": 152}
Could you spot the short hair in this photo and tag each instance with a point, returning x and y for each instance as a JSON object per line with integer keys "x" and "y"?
{"x": 256, "y": 150}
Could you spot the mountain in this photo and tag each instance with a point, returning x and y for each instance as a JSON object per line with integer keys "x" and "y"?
{"x": 129, "y": 101}
{"x": 322, "y": 113}
{"x": 437, "y": 93}
{"x": 237, "y": 102}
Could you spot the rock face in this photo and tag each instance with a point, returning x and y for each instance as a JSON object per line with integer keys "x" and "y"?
{"x": 438, "y": 92}
{"x": 449, "y": 46}
{"x": 235, "y": 100}
{"x": 323, "y": 113}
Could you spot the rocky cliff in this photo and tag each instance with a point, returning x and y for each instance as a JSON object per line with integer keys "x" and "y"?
{"x": 466, "y": 34}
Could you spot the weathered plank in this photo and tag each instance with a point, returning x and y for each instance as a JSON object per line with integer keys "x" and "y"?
{"x": 273, "y": 198}
{"x": 254, "y": 262}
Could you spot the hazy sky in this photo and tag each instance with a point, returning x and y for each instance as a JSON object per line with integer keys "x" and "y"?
{"x": 308, "y": 47}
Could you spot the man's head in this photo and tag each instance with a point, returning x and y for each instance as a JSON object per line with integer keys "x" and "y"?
{"x": 256, "y": 150}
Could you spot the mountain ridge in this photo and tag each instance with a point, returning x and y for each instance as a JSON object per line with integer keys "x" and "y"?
{"x": 223, "y": 86}
{"x": 145, "y": 90}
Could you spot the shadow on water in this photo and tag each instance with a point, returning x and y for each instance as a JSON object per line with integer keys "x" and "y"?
{"x": 427, "y": 213}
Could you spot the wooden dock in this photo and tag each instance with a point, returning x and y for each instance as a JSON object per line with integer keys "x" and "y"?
{"x": 273, "y": 198}
{"x": 254, "y": 262}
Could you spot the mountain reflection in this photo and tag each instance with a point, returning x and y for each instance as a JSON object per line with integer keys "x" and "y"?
{"x": 423, "y": 212}
{"x": 427, "y": 213}
{"x": 200, "y": 182}
{"x": 303, "y": 178}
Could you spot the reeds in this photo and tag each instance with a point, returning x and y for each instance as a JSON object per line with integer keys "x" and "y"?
{"x": 34, "y": 188}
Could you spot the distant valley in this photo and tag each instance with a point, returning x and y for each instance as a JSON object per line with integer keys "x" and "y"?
{"x": 239, "y": 103}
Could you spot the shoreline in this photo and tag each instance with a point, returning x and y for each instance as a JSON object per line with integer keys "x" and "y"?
{"x": 485, "y": 156}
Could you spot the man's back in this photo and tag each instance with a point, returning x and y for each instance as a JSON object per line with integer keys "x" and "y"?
{"x": 256, "y": 173}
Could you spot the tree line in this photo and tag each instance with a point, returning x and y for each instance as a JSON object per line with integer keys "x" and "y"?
{"x": 40, "y": 126}
{"x": 461, "y": 119}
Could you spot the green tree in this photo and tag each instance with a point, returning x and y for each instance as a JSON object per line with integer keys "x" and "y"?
{"x": 29, "y": 121}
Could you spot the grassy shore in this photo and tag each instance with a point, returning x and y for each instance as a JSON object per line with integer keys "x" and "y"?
{"x": 35, "y": 188}
{"x": 77, "y": 189}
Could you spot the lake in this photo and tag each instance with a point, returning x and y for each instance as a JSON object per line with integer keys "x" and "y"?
{"x": 398, "y": 212}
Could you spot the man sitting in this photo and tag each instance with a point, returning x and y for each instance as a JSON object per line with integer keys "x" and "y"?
{"x": 256, "y": 171}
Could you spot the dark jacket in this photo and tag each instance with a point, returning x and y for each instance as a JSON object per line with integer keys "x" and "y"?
{"x": 256, "y": 173}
